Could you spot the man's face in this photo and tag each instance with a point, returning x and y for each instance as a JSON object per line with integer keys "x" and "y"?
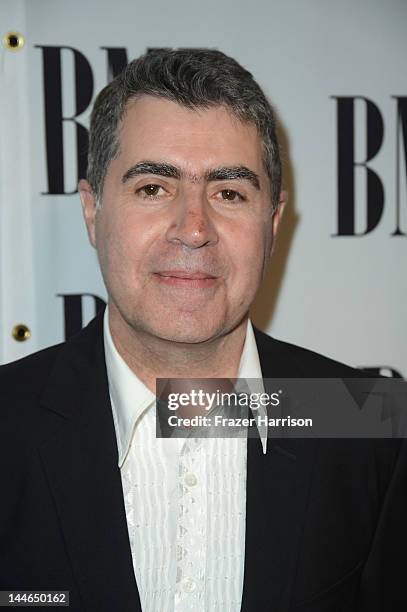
{"x": 185, "y": 227}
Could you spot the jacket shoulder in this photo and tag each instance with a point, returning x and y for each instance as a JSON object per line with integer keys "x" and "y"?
{"x": 34, "y": 370}
{"x": 299, "y": 361}
{"x": 27, "y": 376}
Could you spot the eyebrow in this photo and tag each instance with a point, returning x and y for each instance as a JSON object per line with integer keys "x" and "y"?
{"x": 226, "y": 173}
{"x": 222, "y": 173}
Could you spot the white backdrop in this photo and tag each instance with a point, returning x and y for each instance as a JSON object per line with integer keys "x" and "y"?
{"x": 344, "y": 296}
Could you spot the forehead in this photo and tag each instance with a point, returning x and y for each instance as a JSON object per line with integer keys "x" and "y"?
{"x": 155, "y": 128}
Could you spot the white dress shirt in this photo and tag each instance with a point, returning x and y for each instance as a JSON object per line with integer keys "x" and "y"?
{"x": 185, "y": 499}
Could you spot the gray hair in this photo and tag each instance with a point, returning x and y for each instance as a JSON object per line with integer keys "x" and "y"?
{"x": 194, "y": 78}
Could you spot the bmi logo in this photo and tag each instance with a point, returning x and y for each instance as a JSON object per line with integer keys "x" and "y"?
{"x": 361, "y": 190}
{"x": 353, "y": 168}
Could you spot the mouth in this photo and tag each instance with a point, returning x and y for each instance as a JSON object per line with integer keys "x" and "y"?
{"x": 188, "y": 280}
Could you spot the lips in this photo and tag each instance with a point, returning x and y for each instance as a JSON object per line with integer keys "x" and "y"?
{"x": 185, "y": 280}
{"x": 185, "y": 275}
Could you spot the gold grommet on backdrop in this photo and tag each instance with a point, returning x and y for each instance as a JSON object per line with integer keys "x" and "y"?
{"x": 21, "y": 332}
{"x": 13, "y": 41}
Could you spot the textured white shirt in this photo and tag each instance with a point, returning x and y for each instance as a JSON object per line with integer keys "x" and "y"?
{"x": 185, "y": 499}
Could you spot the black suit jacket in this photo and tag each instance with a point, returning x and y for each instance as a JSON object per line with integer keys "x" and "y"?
{"x": 326, "y": 520}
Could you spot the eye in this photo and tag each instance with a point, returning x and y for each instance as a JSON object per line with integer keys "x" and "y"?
{"x": 149, "y": 191}
{"x": 231, "y": 195}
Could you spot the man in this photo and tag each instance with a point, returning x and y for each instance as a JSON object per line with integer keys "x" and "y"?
{"x": 182, "y": 204}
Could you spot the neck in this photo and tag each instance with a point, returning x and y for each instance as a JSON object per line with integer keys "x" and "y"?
{"x": 151, "y": 357}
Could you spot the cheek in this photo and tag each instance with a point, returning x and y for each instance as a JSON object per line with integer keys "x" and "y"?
{"x": 118, "y": 252}
{"x": 123, "y": 241}
{"x": 246, "y": 254}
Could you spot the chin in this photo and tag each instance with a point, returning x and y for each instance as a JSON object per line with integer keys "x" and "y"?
{"x": 187, "y": 332}
{"x": 185, "y": 336}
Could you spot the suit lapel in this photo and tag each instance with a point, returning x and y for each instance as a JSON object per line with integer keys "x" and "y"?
{"x": 276, "y": 502}
{"x": 81, "y": 465}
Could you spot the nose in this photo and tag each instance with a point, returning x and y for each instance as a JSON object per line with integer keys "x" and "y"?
{"x": 191, "y": 224}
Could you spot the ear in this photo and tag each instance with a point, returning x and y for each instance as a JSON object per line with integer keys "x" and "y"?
{"x": 278, "y": 213}
{"x": 88, "y": 202}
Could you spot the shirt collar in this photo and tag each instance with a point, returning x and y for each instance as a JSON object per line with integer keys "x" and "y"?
{"x": 250, "y": 371}
{"x": 130, "y": 397}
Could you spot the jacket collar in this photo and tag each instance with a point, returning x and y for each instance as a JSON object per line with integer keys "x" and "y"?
{"x": 80, "y": 462}
{"x": 276, "y": 499}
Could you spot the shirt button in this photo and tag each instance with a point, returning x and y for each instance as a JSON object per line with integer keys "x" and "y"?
{"x": 191, "y": 480}
{"x": 188, "y": 585}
